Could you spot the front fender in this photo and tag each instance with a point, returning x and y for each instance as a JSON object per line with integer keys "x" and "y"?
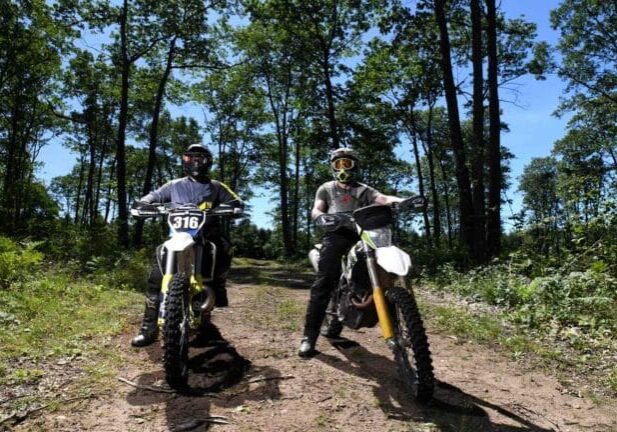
{"x": 393, "y": 260}
{"x": 179, "y": 242}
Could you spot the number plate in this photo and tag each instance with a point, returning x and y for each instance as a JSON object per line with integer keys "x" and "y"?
{"x": 186, "y": 220}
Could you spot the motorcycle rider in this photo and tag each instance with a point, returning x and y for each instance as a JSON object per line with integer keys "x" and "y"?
{"x": 343, "y": 194}
{"x": 195, "y": 188}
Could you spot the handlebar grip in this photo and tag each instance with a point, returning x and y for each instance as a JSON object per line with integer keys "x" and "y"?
{"x": 416, "y": 204}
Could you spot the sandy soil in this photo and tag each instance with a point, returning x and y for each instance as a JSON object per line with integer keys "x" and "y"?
{"x": 257, "y": 383}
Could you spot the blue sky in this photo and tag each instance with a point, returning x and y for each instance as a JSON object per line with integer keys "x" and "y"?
{"x": 533, "y": 128}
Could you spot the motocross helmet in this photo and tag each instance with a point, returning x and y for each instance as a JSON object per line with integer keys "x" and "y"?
{"x": 344, "y": 164}
{"x": 197, "y": 161}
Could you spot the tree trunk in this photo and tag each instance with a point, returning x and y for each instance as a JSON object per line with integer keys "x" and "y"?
{"x": 477, "y": 152}
{"x": 416, "y": 153}
{"x": 456, "y": 137}
{"x": 493, "y": 224}
{"x": 79, "y": 184}
{"x": 125, "y": 65}
{"x": 431, "y": 171}
{"x": 154, "y": 135}
{"x": 330, "y": 100}
{"x": 296, "y": 197}
{"x": 97, "y": 195}
{"x": 12, "y": 156}
{"x": 112, "y": 169}
{"x": 280, "y": 121}
{"x": 446, "y": 197}
{"x": 88, "y": 216}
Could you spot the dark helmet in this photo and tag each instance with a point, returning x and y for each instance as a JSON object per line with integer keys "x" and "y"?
{"x": 344, "y": 163}
{"x": 197, "y": 161}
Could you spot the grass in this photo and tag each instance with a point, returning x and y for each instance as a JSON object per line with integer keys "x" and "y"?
{"x": 487, "y": 329}
{"x": 54, "y": 317}
{"x": 322, "y": 419}
{"x": 494, "y": 329}
{"x": 611, "y": 380}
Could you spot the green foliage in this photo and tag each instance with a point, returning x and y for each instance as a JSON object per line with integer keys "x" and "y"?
{"x": 17, "y": 262}
{"x": 251, "y": 242}
{"x": 585, "y": 301}
{"x": 129, "y": 271}
{"x": 57, "y": 314}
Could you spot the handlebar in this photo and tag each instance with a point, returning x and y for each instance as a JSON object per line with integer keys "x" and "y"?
{"x": 149, "y": 210}
{"x": 413, "y": 204}
{"x": 333, "y": 221}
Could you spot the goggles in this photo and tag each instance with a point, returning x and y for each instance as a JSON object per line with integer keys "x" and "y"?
{"x": 343, "y": 163}
{"x": 200, "y": 157}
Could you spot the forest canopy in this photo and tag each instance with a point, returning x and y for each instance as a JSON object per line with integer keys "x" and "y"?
{"x": 281, "y": 84}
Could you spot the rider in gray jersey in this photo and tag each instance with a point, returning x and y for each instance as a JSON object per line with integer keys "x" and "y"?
{"x": 196, "y": 188}
{"x": 343, "y": 194}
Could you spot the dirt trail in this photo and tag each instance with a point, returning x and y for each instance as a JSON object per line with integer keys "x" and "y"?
{"x": 351, "y": 386}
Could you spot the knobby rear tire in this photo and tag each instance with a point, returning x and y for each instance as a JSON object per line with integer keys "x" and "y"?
{"x": 413, "y": 357}
{"x": 176, "y": 332}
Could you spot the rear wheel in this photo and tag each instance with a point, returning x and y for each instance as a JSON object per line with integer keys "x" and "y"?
{"x": 412, "y": 353}
{"x": 176, "y": 332}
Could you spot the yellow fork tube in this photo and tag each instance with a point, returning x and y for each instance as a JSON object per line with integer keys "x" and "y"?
{"x": 381, "y": 304}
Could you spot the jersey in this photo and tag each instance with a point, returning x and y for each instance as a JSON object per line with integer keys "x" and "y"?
{"x": 340, "y": 200}
{"x": 187, "y": 190}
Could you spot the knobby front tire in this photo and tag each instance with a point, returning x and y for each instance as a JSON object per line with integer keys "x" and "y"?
{"x": 176, "y": 332}
{"x": 413, "y": 356}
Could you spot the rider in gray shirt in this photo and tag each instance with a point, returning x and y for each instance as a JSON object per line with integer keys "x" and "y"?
{"x": 343, "y": 194}
{"x": 196, "y": 188}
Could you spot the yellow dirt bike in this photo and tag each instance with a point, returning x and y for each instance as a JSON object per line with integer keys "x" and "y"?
{"x": 373, "y": 288}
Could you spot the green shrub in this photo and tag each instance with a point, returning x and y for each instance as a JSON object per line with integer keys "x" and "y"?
{"x": 585, "y": 300}
{"x": 17, "y": 262}
{"x": 129, "y": 271}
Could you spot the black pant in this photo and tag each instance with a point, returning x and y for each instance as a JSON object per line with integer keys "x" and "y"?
{"x": 334, "y": 245}
{"x": 223, "y": 262}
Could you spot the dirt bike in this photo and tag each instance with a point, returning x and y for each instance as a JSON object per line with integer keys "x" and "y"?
{"x": 373, "y": 288}
{"x": 185, "y": 296}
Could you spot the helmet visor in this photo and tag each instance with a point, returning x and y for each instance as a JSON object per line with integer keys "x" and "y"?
{"x": 343, "y": 163}
{"x": 195, "y": 157}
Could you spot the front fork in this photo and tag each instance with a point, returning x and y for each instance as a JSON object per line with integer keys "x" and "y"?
{"x": 188, "y": 262}
{"x": 381, "y": 304}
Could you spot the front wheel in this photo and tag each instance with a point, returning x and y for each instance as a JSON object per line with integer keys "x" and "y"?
{"x": 176, "y": 332}
{"x": 412, "y": 353}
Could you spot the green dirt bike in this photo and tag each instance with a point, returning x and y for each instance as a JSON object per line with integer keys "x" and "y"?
{"x": 373, "y": 288}
{"x": 185, "y": 296}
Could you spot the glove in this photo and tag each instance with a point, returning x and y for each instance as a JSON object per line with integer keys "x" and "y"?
{"x": 327, "y": 221}
{"x": 142, "y": 209}
{"x": 139, "y": 205}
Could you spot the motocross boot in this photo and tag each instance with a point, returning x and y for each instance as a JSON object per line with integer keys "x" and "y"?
{"x": 307, "y": 347}
{"x": 332, "y": 330}
{"x": 332, "y": 327}
{"x": 220, "y": 291}
{"x": 149, "y": 329}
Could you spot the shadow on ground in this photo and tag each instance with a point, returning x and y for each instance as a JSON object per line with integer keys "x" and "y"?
{"x": 268, "y": 276}
{"x": 218, "y": 375}
{"x": 451, "y": 409}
